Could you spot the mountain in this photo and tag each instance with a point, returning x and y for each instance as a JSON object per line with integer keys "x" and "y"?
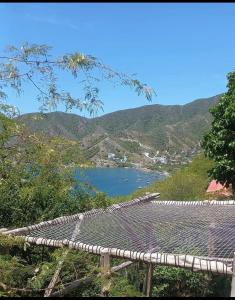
{"x": 140, "y": 133}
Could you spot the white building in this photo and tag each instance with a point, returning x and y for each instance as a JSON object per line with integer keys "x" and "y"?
{"x": 161, "y": 159}
{"x": 111, "y": 156}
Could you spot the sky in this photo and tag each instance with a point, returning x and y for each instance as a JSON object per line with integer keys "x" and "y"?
{"x": 183, "y": 50}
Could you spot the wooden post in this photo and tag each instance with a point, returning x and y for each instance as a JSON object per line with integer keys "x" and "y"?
{"x": 105, "y": 262}
{"x": 233, "y": 279}
{"x": 149, "y": 280}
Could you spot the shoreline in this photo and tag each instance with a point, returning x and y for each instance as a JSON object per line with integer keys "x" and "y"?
{"x": 165, "y": 173}
{"x": 148, "y": 170}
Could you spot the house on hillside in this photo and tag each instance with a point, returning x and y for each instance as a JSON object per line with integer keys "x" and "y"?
{"x": 161, "y": 159}
{"x": 111, "y": 156}
{"x": 124, "y": 159}
{"x": 215, "y": 187}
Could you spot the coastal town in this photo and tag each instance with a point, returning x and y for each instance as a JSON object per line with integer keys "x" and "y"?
{"x": 159, "y": 160}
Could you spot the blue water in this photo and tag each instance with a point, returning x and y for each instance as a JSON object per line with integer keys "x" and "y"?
{"x": 117, "y": 181}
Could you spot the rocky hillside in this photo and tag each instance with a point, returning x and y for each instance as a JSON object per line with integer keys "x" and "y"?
{"x": 164, "y": 134}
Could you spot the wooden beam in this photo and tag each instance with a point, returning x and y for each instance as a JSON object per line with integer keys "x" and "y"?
{"x": 72, "y": 286}
{"x": 195, "y": 263}
{"x": 55, "y": 277}
{"x": 69, "y": 287}
{"x": 121, "y": 266}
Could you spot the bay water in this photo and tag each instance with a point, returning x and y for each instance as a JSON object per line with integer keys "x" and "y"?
{"x": 118, "y": 181}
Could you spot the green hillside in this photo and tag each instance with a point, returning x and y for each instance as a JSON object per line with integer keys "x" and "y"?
{"x": 168, "y": 129}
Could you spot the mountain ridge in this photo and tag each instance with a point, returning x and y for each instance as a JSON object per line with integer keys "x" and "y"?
{"x": 165, "y": 129}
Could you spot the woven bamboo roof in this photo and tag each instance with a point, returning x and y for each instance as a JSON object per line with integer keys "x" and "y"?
{"x": 195, "y": 234}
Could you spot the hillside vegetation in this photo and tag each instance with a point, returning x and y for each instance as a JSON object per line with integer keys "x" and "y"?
{"x": 49, "y": 194}
{"x": 188, "y": 183}
{"x": 164, "y": 128}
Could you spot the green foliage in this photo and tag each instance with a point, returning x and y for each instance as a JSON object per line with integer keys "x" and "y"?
{"x": 131, "y": 146}
{"x": 219, "y": 142}
{"x": 36, "y": 186}
{"x": 168, "y": 281}
{"x": 13, "y": 273}
{"x": 92, "y": 152}
{"x": 10, "y": 241}
{"x": 76, "y": 265}
{"x": 179, "y": 282}
{"x": 121, "y": 287}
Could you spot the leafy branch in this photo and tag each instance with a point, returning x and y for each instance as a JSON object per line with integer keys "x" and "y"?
{"x": 34, "y": 64}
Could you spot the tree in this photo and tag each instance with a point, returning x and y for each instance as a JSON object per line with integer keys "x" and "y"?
{"x": 219, "y": 142}
{"x": 33, "y": 64}
{"x": 34, "y": 183}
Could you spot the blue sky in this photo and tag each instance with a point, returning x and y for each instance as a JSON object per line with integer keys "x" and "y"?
{"x": 184, "y": 51}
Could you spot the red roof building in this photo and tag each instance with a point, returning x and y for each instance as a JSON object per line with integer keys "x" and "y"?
{"x": 218, "y": 188}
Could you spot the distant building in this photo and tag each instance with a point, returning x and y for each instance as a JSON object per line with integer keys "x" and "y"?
{"x": 215, "y": 187}
{"x": 111, "y": 156}
{"x": 161, "y": 159}
{"x": 124, "y": 159}
{"x": 146, "y": 154}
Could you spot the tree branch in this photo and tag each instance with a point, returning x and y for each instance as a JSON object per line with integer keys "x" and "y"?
{"x": 40, "y": 90}
{"x": 31, "y": 61}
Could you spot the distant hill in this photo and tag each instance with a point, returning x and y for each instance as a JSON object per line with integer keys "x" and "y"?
{"x": 151, "y": 128}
